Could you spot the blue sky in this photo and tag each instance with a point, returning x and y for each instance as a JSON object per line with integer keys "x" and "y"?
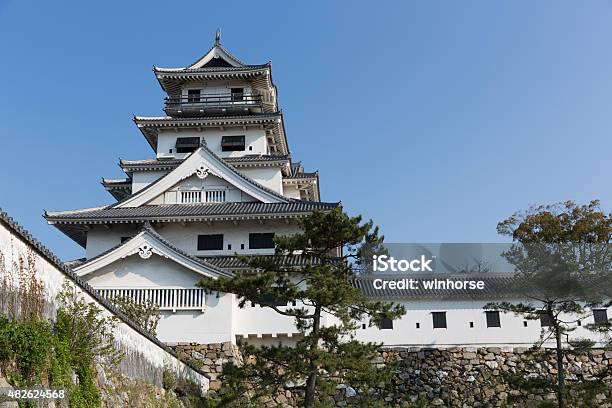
{"x": 436, "y": 119}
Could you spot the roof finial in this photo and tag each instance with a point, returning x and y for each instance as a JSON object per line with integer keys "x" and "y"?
{"x": 218, "y": 37}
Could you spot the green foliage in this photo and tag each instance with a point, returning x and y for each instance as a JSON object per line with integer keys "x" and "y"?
{"x": 564, "y": 262}
{"x": 28, "y": 345}
{"x": 36, "y": 352}
{"x": 323, "y": 356}
{"x": 168, "y": 379}
{"x": 88, "y": 331}
{"x": 145, "y": 314}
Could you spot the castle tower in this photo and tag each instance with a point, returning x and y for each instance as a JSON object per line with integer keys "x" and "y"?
{"x": 222, "y": 183}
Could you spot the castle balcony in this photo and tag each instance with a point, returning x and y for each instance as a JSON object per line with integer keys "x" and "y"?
{"x": 213, "y": 105}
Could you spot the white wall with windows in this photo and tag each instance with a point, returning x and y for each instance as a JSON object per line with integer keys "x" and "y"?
{"x": 255, "y": 141}
{"x": 236, "y": 237}
{"x": 216, "y": 88}
{"x": 460, "y": 323}
{"x": 185, "y": 237}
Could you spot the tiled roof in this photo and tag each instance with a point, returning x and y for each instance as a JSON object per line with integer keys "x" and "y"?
{"x": 205, "y": 70}
{"x": 167, "y": 164}
{"x": 116, "y": 183}
{"x": 233, "y": 262}
{"x": 252, "y": 118}
{"x": 495, "y": 285}
{"x": 304, "y": 175}
{"x": 69, "y": 273}
{"x": 186, "y": 211}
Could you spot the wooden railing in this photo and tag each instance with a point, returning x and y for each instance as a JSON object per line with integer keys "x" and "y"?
{"x": 193, "y": 101}
{"x": 166, "y": 298}
{"x": 215, "y": 196}
{"x": 191, "y": 197}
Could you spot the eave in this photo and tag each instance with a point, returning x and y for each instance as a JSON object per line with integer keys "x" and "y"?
{"x": 130, "y": 166}
{"x": 172, "y": 79}
{"x": 76, "y": 224}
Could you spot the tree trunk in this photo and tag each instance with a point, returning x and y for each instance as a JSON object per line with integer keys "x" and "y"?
{"x": 311, "y": 382}
{"x": 560, "y": 369}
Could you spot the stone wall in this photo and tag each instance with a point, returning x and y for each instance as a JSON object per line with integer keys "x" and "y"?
{"x": 454, "y": 377}
{"x": 209, "y": 358}
{"x": 485, "y": 377}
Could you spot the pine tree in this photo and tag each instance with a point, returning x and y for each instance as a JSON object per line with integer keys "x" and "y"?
{"x": 326, "y": 308}
{"x": 563, "y": 257}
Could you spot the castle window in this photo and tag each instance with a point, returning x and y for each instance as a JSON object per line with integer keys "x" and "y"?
{"x": 386, "y": 323}
{"x": 270, "y": 300}
{"x": 439, "y": 320}
{"x": 237, "y": 94}
{"x": 232, "y": 143}
{"x": 187, "y": 144}
{"x": 212, "y": 242}
{"x": 546, "y": 320}
{"x": 600, "y": 316}
{"x": 493, "y": 319}
{"x": 193, "y": 95}
{"x": 261, "y": 240}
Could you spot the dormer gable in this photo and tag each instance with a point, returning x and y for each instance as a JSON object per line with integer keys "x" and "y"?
{"x": 146, "y": 244}
{"x": 203, "y": 163}
{"x": 217, "y": 57}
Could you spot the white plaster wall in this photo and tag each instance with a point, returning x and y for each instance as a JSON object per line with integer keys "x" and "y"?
{"x": 141, "y": 179}
{"x": 134, "y": 271}
{"x": 255, "y": 141}
{"x": 100, "y": 239}
{"x": 215, "y": 325}
{"x": 262, "y": 321}
{"x": 186, "y": 237}
{"x": 459, "y": 314}
{"x": 12, "y": 247}
{"x": 291, "y": 192}
{"x": 270, "y": 177}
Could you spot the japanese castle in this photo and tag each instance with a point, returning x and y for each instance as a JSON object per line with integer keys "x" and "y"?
{"x": 223, "y": 182}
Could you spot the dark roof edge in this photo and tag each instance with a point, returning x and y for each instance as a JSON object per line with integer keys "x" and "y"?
{"x": 55, "y": 261}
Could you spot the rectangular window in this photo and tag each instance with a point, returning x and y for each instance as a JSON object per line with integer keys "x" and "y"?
{"x": 493, "y": 319}
{"x": 386, "y": 323}
{"x": 237, "y": 94}
{"x": 546, "y": 320}
{"x": 232, "y": 143}
{"x": 213, "y": 242}
{"x": 187, "y": 144}
{"x": 261, "y": 240}
{"x": 600, "y": 316}
{"x": 269, "y": 300}
{"x": 439, "y": 320}
{"x": 193, "y": 95}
